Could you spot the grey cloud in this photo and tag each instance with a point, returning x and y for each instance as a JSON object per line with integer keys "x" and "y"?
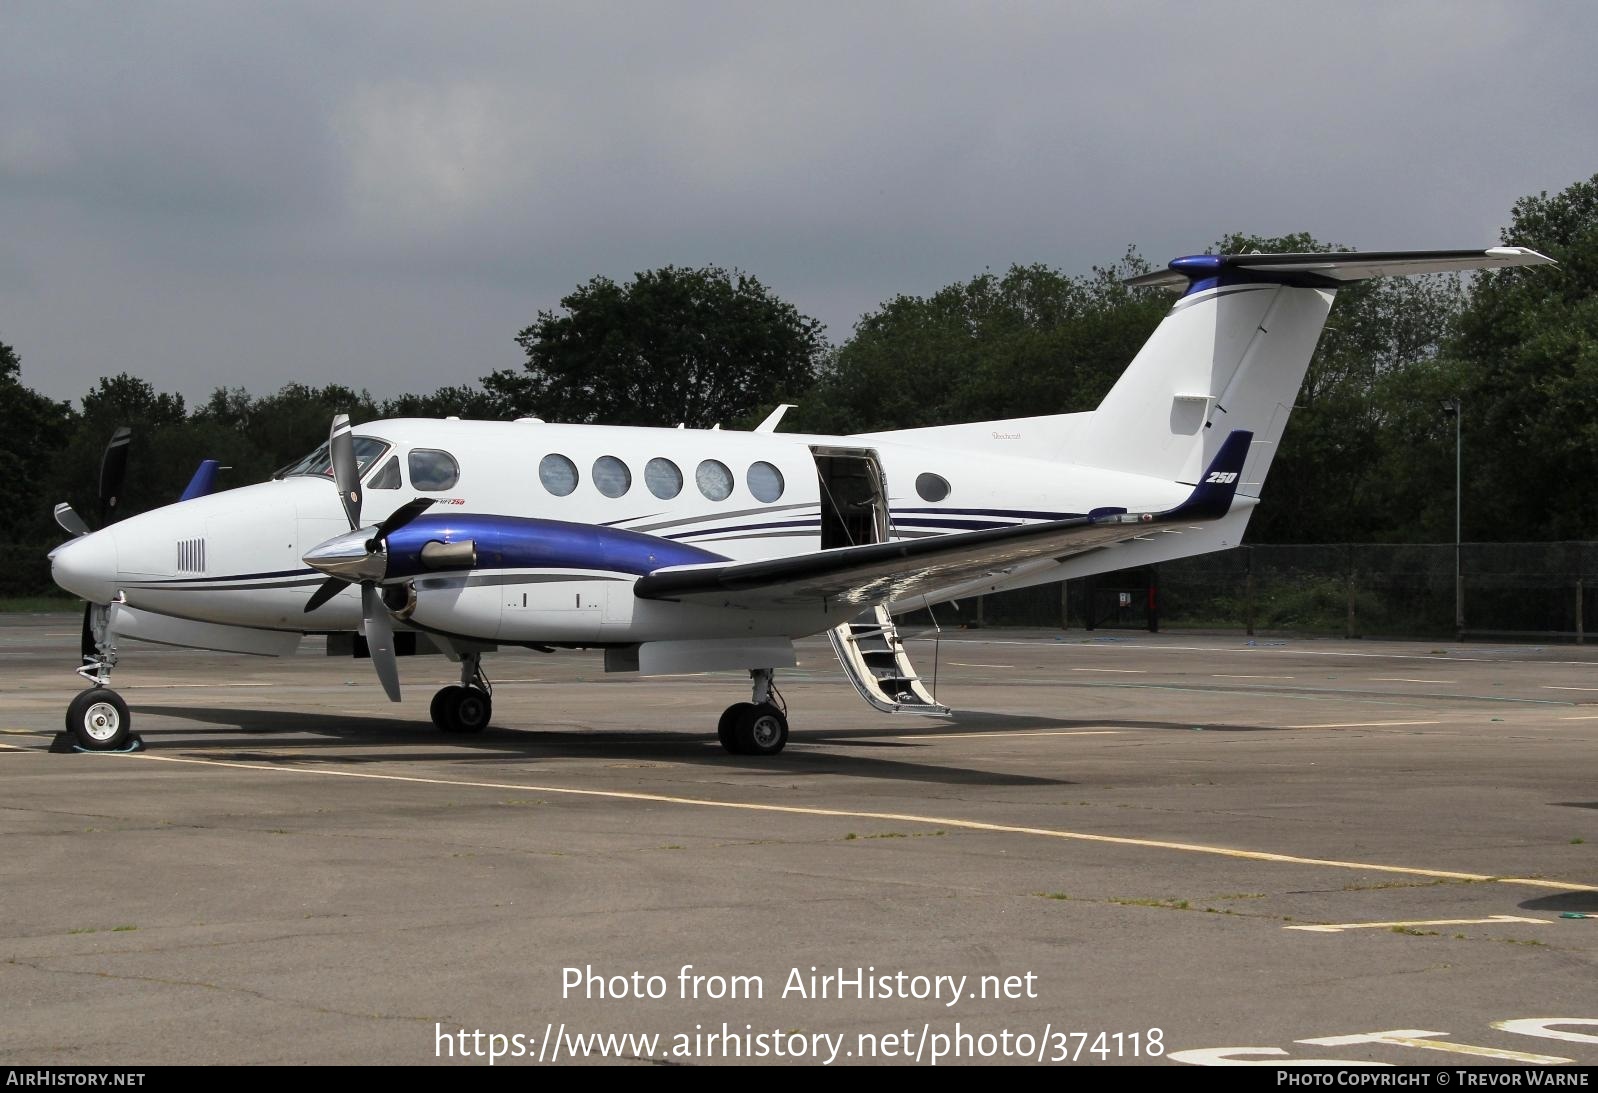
{"x": 382, "y": 194}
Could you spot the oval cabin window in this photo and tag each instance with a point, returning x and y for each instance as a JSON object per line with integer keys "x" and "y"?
{"x": 765, "y": 482}
{"x": 932, "y": 487}
{"x": 663, "y": 478}
{"x": 611, "y": 476}
{"x": 714, "y": 480}
{"x": 558, "y": 474}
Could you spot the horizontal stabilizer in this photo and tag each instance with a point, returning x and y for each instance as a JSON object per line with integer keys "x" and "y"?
{"x": 1331, "y": 270}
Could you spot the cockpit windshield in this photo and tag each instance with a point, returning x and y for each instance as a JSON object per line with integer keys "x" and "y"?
{"x": 320, "y": 462}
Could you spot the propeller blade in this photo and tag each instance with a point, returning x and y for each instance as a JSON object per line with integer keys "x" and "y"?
{"x": 326, "y": 591}
{"x": 113, "y": 470}
{"x": 87, "y": 645}
{"x": 341, "y": 446}
{"x": 401, "y": 516}
{"x": 70, "y": 521}
{"x": 380, "y": 639}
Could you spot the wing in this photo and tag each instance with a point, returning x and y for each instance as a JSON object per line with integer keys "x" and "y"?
{"x": 882, "y": 572}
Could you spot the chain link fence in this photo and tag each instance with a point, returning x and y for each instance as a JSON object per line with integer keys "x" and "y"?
{"x": 1532, "y": 590}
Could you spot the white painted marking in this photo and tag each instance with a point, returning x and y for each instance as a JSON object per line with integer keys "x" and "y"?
{"x": 1016, "y": 732}
{"x": 1118, "y": 671}
{"x": 1362, "y": 724}
{"x": 1228, "y": 1056}
{"x": 1337, "y": 928}
{"x": 1551, "y": 687}
{"x": 1539, "y": 1026}
{"x": 1403, "y": 679}
{"x": 1579, "y": 717}
{"x": 1412, "y": 1037}
{"x": 861, "y": 814}
{"x": 1218, "y": 675}
{"x": 968, "y": 664}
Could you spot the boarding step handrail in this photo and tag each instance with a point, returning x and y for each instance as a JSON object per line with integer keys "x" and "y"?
{"x": 874, "y": 658}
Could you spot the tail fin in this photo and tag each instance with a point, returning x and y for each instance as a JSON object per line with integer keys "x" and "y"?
{"x": 1232, "y": 353}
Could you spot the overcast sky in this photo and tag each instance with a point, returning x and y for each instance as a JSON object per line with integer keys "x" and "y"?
{"x": 383, "y": 194}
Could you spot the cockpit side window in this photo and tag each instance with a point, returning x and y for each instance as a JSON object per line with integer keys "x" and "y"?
{"x": 388, "y": 478}
{"x": 432, "y": 470}
{"x": 368, "y": 449}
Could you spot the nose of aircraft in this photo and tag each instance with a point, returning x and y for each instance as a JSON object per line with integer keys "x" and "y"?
{"x": 87, "y": 566}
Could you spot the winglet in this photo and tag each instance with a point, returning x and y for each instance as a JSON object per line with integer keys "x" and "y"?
{"x": 1212, "y": 497}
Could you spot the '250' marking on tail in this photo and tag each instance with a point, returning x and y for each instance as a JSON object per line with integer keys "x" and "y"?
{"x": 1221, "y": 478}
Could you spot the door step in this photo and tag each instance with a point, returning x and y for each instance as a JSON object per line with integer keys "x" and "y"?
{"x": 874, "y": 658}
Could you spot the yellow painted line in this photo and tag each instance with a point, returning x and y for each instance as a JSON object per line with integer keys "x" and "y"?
{"x": 1361, "y": 724}
{"x": 1117, "y": 671}
{"x": 860, "y": 814}
{"x": 1579, "y": 717}
{"x": 1404, "y": 679}
{"x": 1218, "y": 675}
{"x": 11, "y": 747}
{"x": 1406, "y": 1037}
{"x": 22, "y": 732}
{"x": 1337, "y": 928}
{"x": 1014, "y": 732}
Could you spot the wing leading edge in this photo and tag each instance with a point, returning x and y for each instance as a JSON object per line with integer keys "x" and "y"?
{"x": 883, "y": 572}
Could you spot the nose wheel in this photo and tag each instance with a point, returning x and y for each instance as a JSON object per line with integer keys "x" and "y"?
{"x": 98, "y": 720}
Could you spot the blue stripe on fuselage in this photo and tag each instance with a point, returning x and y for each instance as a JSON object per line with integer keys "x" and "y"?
{"x": 517, "y": 542}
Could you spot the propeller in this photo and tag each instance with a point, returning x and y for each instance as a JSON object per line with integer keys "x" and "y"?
{"x": 113, "y": 472}
{"x": 346, "y": 473}
{"x": 361, "y": 558}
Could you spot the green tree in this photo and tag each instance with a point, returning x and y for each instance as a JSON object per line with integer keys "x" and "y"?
{"x": 256, "y": 435}
{"x": 461, "y": 401}
{"x": 1525, "y": 365}
{"x": 33, "y": 431}
{"x": 1032, "y": 341}
{"x": 1357, "y": 411}
{"x": 160, "y": 453}
{"x": 698, "y": 346}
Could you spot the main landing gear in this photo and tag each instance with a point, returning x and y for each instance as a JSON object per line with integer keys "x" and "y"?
{"x": 759, "y": 727}
{"x": 98, "y": 718}
{"x": 468, "y": 707}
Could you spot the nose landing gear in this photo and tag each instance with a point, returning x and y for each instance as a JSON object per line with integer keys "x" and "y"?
{"x": 98, "y": 718}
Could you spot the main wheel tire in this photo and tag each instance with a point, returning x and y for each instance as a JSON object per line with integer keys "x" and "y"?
{"x": 727, "y": 727}
{"x": 762, "y": 730}
{"x": 443, "y": 702}
{"x": 471, "y": 712}
{"x": 99, "y": 720}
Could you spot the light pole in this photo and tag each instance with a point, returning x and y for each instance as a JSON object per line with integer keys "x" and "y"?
{"x": 1454, "y": 408}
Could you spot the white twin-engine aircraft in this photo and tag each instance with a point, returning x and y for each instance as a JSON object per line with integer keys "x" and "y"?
{"x": 686, "y": 550}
